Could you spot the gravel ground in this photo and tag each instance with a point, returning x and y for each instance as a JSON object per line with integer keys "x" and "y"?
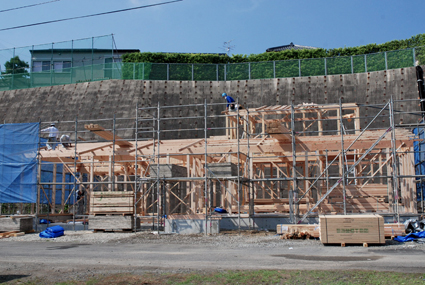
{"x": 247, "y": 239}
{"x": 51, "y": 270}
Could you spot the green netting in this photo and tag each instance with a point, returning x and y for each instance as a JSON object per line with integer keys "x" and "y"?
{"x": 375, "y": 62}
{"x": 205, "y": 72}
{"x": 238, "y": 71}
{"x": 420, "y": 55}
{"x": 261, "y": 70}
{"x": 338, "y": 65}
{"x": 313, "y": 67}
{"x": 359, "y": 63}
{"x": 399, "y": 59}
{"x": 287, "y": 68}
{"x": 179, "y": 72}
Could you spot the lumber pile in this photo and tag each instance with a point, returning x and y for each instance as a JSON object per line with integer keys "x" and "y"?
{"x": 393, "y": 230}
{"x": 289, "y": 231}
{"x": 112, "y": 202}
{"x": 11, "y": 234}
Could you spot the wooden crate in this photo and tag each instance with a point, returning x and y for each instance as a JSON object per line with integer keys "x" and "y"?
{"x": 352, "y": 229}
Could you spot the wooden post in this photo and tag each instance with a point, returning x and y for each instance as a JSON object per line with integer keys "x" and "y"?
{"x": 54, "y": 188}
{"x": 63, "y": 189}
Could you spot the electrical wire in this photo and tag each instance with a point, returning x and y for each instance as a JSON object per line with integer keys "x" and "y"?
{"x": 17, "y": 8}
{"x": 92, "y": 15}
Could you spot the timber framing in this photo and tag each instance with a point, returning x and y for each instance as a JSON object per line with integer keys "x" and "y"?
{"x": 298, "y": 160}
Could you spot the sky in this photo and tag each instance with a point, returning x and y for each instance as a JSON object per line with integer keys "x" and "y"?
{"x": 204, "y": 26}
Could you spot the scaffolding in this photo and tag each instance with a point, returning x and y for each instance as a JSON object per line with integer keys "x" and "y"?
{"x": 297, "y": 161}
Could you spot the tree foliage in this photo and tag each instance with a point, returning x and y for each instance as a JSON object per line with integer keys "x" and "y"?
{"x": 287, "y": 63}
{"x": 16, "y": 66}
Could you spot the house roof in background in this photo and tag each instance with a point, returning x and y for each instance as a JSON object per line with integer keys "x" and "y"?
{"x": 290, "y": 46}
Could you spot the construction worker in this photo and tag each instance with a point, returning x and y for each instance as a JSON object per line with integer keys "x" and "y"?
{"x": 65, "y": 141}
{"x": 231, "y": 104}
{"x": 53, "y": 136}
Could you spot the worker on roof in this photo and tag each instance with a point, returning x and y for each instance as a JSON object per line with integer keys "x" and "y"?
{"x": 53, "y": 136}
{"x": 231, "y": 104}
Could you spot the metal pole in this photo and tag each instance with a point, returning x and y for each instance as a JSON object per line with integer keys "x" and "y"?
{"x": 414, "y": 56}
{"x": 299, "y": 68}
{"x": 352, "y": 65}
{"x": 158, "y": 188}
{"x": 72, "y": 59}
{"x": 250, "y": 193}
{"x": 75, "y": 171}
{"x": 37, "y": 202}
{"x": 326, "y": 67}
{"x": 365, "y": 63}
{"x": 394, "y": 159}
{"x": 206, "y": 168}
{"x": 342, "y": 157}
{"x": 239, "y": 165}
{"x": 113, "y": 154}
{"x": 292, "y": 193}
{"x": 92, "y": 57}
{"x": 135, "y": 167}
{"x": 386, "y": 60}
{"x": 217, "y": 73}
{"x": 274, "y": 69}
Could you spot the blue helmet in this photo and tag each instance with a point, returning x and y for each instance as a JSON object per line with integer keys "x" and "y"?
{"x": 223, "y": 95}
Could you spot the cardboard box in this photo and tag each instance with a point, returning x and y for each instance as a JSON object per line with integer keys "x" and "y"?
{"x": 352, "y": 229}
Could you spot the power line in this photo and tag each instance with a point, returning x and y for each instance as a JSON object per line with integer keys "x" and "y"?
{"x": 17, "y": 8}
{"x": 93, "y": 15}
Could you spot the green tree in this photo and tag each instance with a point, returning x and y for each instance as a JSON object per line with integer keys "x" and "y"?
{"x": 16, "y": 66}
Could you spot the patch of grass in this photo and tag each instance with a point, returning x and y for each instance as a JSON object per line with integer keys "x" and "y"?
{"x": 331, "y": 277}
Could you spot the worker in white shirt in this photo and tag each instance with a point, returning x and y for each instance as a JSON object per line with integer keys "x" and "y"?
{"x": 65, "y": 141}
{"x": 53, "y": 136}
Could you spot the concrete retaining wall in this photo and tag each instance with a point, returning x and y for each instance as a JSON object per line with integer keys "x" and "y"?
{"x": 104, "y": 99}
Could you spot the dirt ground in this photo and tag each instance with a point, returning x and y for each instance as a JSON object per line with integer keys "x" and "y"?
{"x": 83, "y": 254}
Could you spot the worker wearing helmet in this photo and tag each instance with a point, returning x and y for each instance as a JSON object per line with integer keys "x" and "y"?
{"x": 53, "y": 136}
{"x": 231, "y": 106}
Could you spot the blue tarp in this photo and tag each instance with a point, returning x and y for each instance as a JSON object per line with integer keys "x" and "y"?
{"x": 419, "y": 149}
{"x": 18, "y": 162}
{"x": 52, "y": 232}
{"x": 410, "y": 237}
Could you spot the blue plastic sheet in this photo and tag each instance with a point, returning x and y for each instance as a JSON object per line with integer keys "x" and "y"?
{"x": 52, "y": 232}
{"x": 18, "y": 162}
{"x": 410, "y": 237}
{"x": 419, "y": 154}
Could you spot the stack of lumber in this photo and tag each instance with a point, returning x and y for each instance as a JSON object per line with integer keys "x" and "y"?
{"x": 112, "y": 202}
{"x": 352, "y": 229}
{"x": 112, "y": 223}
{"x": 359, "y": 199}
{"x": 11, "y": 234}
{"x": 393, "y": 230}
{"x": 289, "y": 231}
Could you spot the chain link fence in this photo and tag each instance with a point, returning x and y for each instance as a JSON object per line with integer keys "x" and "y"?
{"x": 93, "y": 66}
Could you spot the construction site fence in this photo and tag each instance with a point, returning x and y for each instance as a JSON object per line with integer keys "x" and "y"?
{"x": 84, "y": 71}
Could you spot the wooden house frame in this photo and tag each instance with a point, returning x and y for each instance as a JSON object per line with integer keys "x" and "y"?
{"x": 298, "y": 160}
